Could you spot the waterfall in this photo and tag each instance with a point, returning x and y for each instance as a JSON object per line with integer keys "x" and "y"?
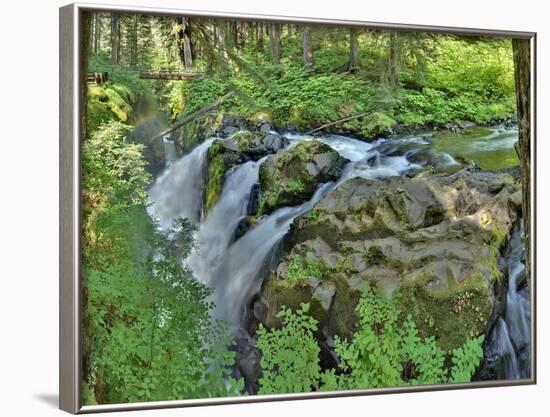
{"x": 238, "y": 275}
{"x": 169, "y": 149}
{"x": 217, "y": 230}
{"x": 177, "y": 192}
{"x": 234, "y": 269}
{"x": 509, "y": 342}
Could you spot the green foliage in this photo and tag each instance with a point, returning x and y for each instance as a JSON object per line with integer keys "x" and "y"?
{"x": 148, "y": 333}
{"x": 465, "y": 360}
{"x": 113, "y": 168}
{"x": 295, "y": 185}
{"x": 384, "y": 352}
{"x": 125, "y": 97}
{"x": 445, "y": 79}
{"x": 290, "y": 356}
{"x": 300, "y": 269}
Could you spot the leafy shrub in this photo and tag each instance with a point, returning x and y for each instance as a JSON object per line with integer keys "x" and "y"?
{"x": 300, "y": 269}
{"x": 382, "y": 353}
{"x": 290, "y": 356}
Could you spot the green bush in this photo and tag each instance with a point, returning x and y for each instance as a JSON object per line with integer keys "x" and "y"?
{"x": 383, "y": 352}
{"x": 147, "y": 330}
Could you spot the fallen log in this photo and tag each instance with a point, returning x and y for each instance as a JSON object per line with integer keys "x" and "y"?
{"x": 194, "y": 116}
{"x": 345, "y": 119}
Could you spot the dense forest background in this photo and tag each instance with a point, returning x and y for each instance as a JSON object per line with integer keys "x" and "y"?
{"x": 149, "y": 333}
{"x": 300, "y": 74}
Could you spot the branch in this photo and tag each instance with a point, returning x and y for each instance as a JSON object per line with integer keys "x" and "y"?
{"x": 194, "y": 116}
{"x": 345, "y": 119}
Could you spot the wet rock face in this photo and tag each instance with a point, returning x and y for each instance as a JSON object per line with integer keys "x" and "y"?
{"x": 432, "y": 242}
{"x": 291, "y": 177}
{"x": 240, "y": 147}
{"x": 254, "y": 145}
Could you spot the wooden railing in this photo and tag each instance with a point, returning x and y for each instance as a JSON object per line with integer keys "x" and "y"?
{"x": 146, "y": 74}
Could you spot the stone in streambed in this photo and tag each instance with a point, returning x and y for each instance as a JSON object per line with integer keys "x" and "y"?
{"x": 292, "y": 176}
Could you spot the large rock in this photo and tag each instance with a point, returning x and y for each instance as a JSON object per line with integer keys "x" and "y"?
{"x": 240, "y": 147}
{"x": 433, "y": 242}
{"x": 291, "y": 177}
{"x": 254, "y": 145}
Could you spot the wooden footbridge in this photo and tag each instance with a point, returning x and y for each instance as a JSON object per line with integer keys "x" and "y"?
{"x": 146, "y": 74}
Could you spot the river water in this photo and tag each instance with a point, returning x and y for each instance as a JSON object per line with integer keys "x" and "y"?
{"x": 235, "y": 268}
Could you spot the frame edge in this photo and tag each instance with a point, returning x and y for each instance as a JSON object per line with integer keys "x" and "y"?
{"x": 69, "y": 288}
{"x": 69, "y": 206}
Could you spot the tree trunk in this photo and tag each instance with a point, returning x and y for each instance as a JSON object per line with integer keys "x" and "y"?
{"x": 115, "y": 38}
{"x": 275, "y": 42}
{"x": 522, "y": 63}
{"x": 187, "y": 51}
{"x": 221, "y": 44}
{"x": 392, "y": 60}
{"x": 353, "y": 50}
{"x": 259, "y": 37}
{"x": 184, "y": 42}
{"x": 309, "y": 64}
{"x": 133, "y": 42}
{"x": 97, "y": 33}
{"x": 234, "y": 34}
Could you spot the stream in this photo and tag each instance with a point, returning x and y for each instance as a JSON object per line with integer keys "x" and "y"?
{"x": 235, "y": 268}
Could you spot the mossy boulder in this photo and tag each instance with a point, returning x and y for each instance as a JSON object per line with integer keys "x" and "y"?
{"x": 240, "y": 147}
{"x": 377, "y": 124}
{"x": 220, "y": 160}
{"x": 432, "y": 242}
{"x": 108, "y": 102}
{"x": 291, "y": 177}
{"x": 254, "y": 145}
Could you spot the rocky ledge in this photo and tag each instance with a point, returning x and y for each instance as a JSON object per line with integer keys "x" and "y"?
{"x": 433, "y": 242}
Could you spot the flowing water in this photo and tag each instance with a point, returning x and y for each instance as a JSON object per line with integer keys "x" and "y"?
{"x": 508, "y": 346}
{"x": 169, "y": 149}
{"x": 235, "y": 268}
{"x": 177, "y": 192}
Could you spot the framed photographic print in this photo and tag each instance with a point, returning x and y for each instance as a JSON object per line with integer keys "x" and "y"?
{"x": 259, "y": 208}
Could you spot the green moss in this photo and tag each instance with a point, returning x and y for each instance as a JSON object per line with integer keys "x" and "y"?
{"x": 300, "y": 270}
{"x": 108, "y": 102}
{"x": 499, "y": 235}
{"x": 376, "y": 124}
{"x": 242, "y": 139}
{"x": 97, "y": 114}
{"x": 216, "y": 171}
{"x": 313, "y": 214}
{"x": 452, "y": 316}
{"x": 373, "y": 255}
{"x": 295, "y": 185}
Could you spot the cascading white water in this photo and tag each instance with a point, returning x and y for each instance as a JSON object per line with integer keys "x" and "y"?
{"x": 238, "y": 277}
{"x": 177, "y": 192}
{"x": 217, "y": 230}
{"x": 506, "y": 349}
{"x": 169, "y": 149}
{"x": 509, "y": 342}
{"x": 234, "y": 269}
